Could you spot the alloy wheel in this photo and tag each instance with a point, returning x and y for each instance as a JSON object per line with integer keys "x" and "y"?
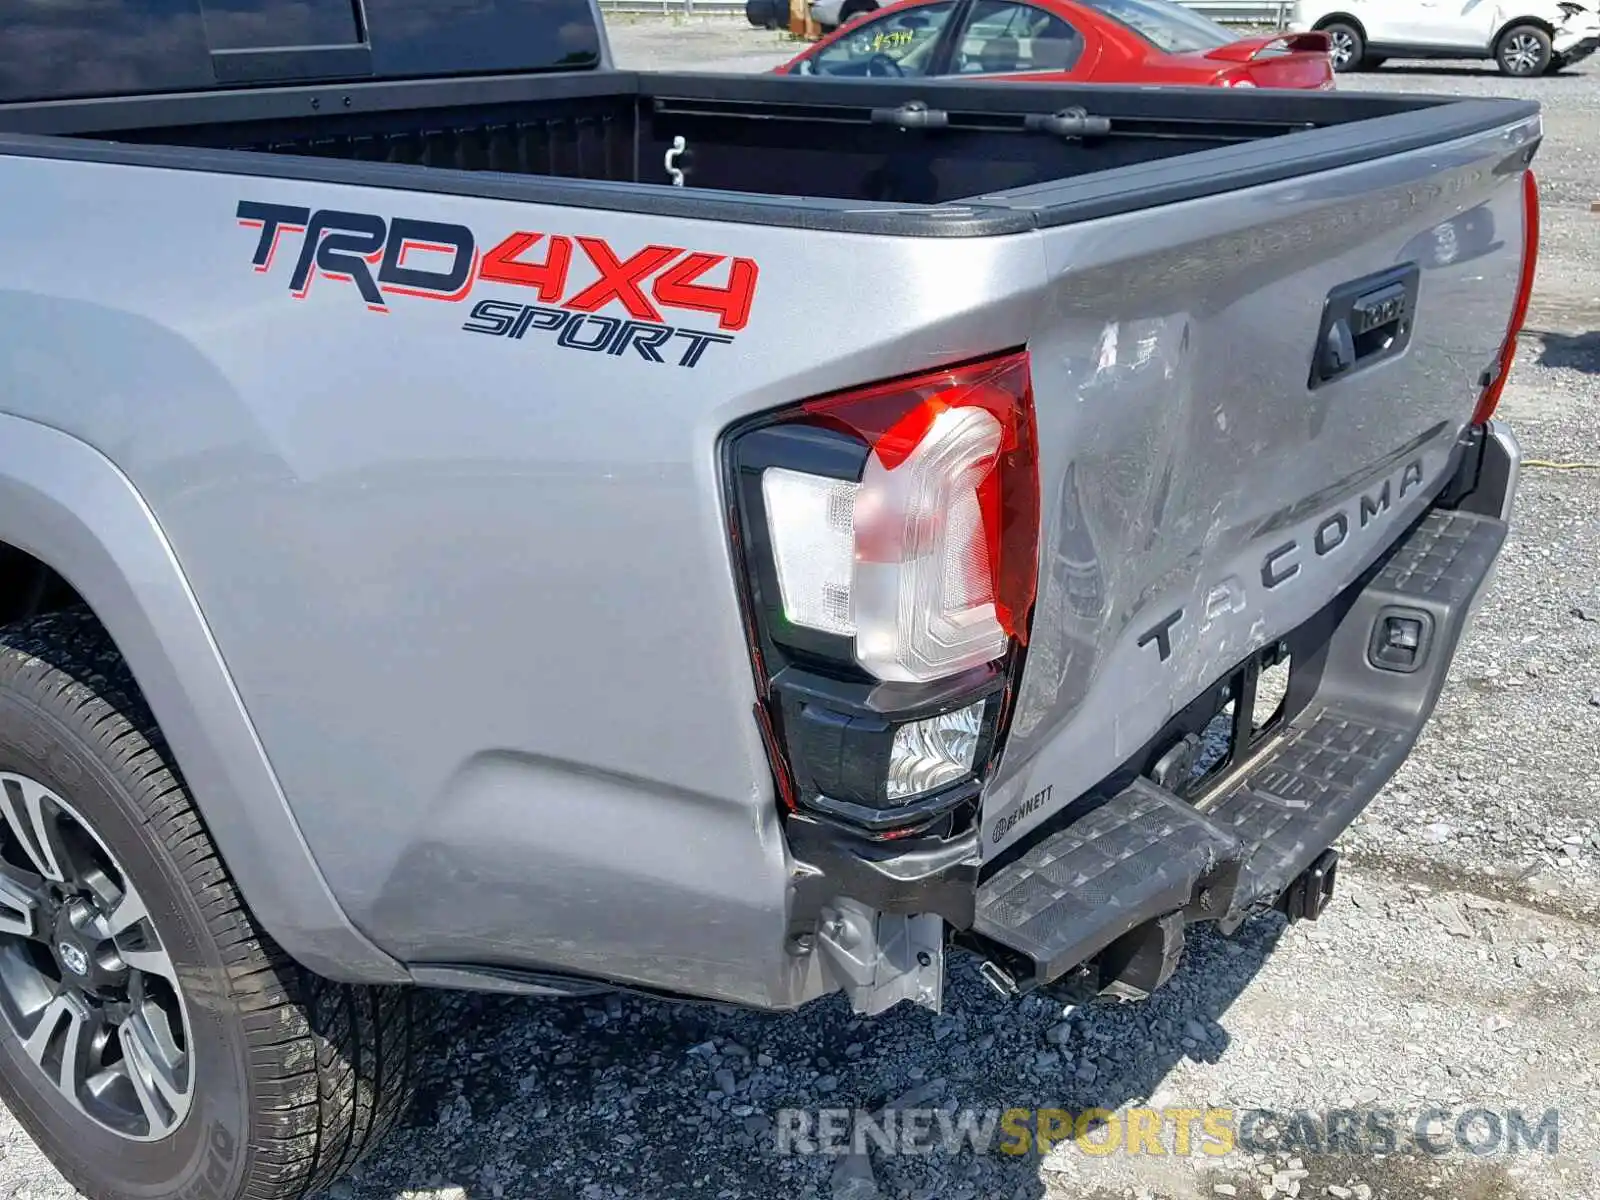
{"x": 1522, "y": 54}
{"x": 1341, "y": 49}
{"x": 86, "y": 985}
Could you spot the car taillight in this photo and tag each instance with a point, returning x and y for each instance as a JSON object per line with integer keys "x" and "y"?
{"x": 1495, "y": 381}
{"x": 888, "y": 536}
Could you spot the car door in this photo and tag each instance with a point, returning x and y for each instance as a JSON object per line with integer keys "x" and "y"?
{"x": 1463, "y": 24}
{"x": 1011, "y": 37}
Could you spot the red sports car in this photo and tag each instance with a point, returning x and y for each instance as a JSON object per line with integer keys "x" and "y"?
{"x": 1076, "y": 41}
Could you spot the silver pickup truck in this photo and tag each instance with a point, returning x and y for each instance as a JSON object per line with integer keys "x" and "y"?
{"x": 471, "y": 517}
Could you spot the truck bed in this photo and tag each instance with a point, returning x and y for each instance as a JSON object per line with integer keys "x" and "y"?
{"x": 884, "y": 156}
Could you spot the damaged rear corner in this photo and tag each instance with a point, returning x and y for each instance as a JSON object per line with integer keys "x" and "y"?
{"x": 1230, "y": 812}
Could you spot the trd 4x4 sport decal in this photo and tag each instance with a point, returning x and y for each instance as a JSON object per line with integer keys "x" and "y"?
{"x": 436, "y": 261}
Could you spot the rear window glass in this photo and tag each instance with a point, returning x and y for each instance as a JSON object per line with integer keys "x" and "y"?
{"x": 63, "y": 49}
{"x": 263, "y": 24}
{"x": 1165, "y": 25}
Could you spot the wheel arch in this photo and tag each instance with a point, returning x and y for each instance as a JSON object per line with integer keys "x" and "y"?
{"x": 1536, "y": 22}
{"x": 74, "y": 529}
{"x": 1341, "y": 18}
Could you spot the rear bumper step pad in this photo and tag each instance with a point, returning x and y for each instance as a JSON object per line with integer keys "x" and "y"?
{"x": 1146, "y": 854}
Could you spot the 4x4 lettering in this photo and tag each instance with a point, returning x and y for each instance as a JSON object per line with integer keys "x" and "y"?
{"x": 620, "y": 279}
{"x": 421, "y": 239}
{"x": 343, "y": 246}
{"x": 504, "y": 264}
{"x": 676, "y": 288}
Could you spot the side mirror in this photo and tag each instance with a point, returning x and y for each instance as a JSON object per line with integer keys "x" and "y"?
{"x": 805, "y": 68}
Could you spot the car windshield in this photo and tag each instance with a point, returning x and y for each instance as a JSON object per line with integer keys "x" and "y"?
{"x": 1165, "y": 25}
{"x": 899, "y": 44}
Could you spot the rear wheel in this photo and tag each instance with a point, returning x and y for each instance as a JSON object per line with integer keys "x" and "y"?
{"x": 153, "y": 1042}
{"x": 1523, "y": 51}
{"x": 1346, "y": 47}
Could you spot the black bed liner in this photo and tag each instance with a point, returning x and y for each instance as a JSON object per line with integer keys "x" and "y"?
{"x": 817, "y": 154}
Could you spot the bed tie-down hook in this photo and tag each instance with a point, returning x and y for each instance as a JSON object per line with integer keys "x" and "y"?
{"x": 670, "y": 160}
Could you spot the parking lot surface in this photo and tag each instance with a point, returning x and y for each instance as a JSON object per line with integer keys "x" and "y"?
{"x": 1456, "y": 970}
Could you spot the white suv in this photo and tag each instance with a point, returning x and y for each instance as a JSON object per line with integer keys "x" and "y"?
{"x": 1525, "y": 37}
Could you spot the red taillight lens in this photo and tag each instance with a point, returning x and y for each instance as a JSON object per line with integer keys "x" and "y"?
{"x": 943, "y": 522}
{"x": 1490, "y": 398}
{"x": 888, "y": 542}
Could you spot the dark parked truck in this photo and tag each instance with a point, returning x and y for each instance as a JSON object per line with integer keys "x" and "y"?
{"x": 472, "y": 517}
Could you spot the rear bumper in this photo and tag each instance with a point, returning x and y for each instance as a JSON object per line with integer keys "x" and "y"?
{"x": 1574, "y": 45}
{"x": 1129, "y": 868}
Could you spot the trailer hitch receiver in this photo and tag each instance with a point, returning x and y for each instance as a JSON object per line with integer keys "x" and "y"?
{"x": 1308, "y": 895}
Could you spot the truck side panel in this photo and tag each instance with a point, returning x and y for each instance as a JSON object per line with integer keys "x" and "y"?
{"x": 474, "y": 589}
{"x": 66, "y": 504}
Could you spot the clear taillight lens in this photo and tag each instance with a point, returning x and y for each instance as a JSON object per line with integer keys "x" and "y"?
{"x": 923, "y": 596}
{"x": 932, "y": 753}
{"x": 810, "y": 522}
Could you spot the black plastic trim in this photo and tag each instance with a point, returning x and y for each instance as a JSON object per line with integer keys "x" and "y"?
{"x": 816, "y": 451}
{"x": 1353, "y": 334}
{"x": 840, "y": 736}
{"x": 1352, "y": 129}
{"x": 904, "y": 877}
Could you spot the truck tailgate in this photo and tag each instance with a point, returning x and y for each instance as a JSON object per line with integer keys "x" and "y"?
{"x": 1203, "y": 491}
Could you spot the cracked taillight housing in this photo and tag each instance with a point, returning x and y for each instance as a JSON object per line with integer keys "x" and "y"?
{"x": 888, "y": 537}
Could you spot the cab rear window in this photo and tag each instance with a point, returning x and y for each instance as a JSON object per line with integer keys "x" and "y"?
{"x": 63, "y": 49}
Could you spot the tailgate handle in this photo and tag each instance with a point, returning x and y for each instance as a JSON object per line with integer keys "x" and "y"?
{"x": 1364, "y": 322}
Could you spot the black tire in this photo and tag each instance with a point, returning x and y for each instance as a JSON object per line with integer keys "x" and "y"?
{"x": 293, "y": 1078}
{"x": 1347, "y": 48}
{"x": 1523, "y": 51}
{"x": 763, "y": 14}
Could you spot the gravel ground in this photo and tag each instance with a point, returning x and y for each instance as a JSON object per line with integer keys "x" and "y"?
{"x": 1457, "y": 967}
